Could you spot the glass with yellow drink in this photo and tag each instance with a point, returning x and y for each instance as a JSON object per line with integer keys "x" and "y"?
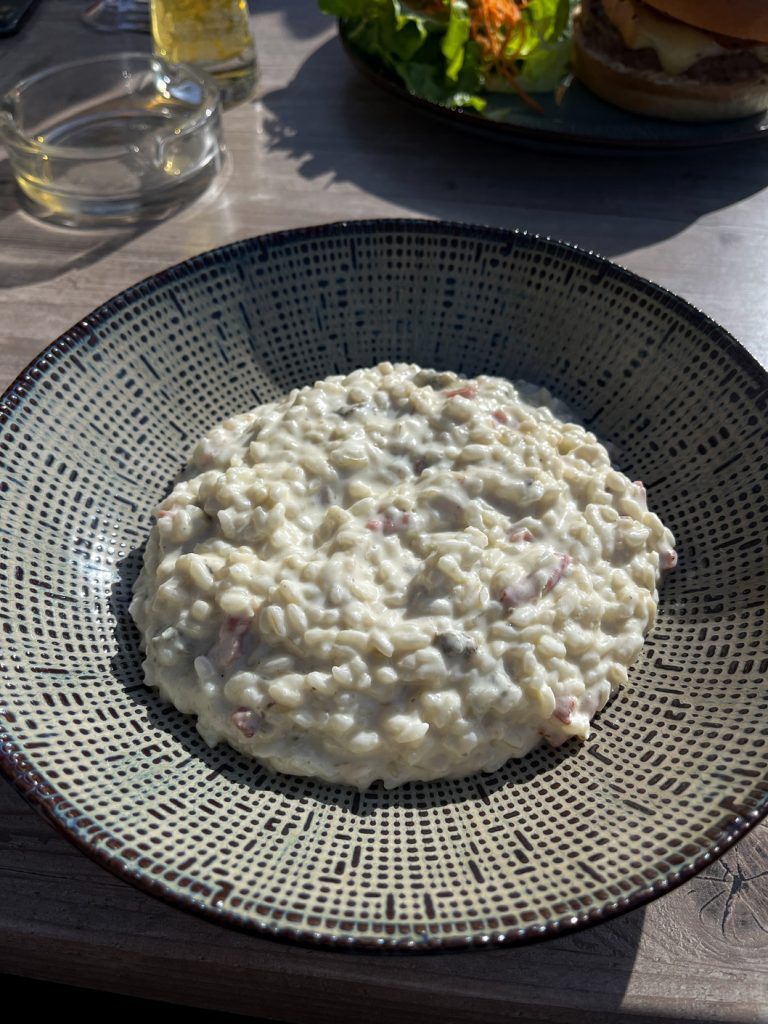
{"x": 213, "y": 35}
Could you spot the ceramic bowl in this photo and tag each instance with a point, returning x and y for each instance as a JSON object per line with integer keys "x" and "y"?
{"x": 96, "y": 429}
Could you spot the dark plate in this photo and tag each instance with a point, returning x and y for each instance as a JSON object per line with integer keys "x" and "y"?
{"x": 97, "y": 427}
{"x": 581, "y": 123}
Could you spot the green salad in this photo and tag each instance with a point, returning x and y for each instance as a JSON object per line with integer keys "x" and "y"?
{"x": 455, "y": 51}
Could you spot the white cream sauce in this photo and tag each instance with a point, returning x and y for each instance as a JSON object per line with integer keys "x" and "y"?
{"x": 399, "y": 574}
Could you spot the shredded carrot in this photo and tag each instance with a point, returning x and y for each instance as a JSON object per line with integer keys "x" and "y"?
{"x": 494, "y": 24}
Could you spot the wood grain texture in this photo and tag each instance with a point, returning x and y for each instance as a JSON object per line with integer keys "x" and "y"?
{"x": 64, "y": 919}
{"x": 318, "y": 145}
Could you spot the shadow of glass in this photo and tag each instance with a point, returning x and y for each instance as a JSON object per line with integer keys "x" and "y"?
{"x": 394, "y": 151}
{"x": 42, "y": 252}
{"x": 243, "y": 773}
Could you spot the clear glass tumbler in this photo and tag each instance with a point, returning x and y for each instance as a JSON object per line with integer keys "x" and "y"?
{"x": 111, "y": 140}
{"x": 213, "y": 35}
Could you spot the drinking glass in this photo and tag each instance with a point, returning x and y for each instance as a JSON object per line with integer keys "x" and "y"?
{"x": 212, "y": 35}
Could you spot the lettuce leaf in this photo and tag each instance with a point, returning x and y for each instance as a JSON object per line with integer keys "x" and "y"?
{"x": 434, "y": 56}
{"x": 455, "y": 39}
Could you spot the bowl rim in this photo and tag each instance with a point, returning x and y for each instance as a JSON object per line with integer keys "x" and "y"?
{"x": 55, "y": 807}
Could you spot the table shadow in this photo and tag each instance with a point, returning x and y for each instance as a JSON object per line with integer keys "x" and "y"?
{"x": 394, "y": 151}
{"x": 43, "y": 251}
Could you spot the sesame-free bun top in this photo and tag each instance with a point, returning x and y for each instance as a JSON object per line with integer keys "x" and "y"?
{"x": 742, "y": 19}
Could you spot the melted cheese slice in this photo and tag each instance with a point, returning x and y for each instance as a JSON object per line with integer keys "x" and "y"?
{"x": 678, "y": 46}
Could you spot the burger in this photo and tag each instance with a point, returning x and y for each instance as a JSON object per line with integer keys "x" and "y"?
{"x": 684, "y": 60}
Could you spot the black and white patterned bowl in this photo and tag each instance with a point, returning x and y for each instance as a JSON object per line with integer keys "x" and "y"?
{"x": 95, "y": 430}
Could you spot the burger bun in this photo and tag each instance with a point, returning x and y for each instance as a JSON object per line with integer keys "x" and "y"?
{"x": 657, "y": 94}
{"x": 740, "y": 19}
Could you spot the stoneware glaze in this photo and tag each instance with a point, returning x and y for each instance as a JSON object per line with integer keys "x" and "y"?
{"x": 94, "y": 432}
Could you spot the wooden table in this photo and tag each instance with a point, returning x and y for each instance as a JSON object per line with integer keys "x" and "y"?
{"x": 320, "y": 144}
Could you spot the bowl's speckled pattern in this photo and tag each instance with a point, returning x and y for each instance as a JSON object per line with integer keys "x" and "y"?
{"x": 94, "y": 432}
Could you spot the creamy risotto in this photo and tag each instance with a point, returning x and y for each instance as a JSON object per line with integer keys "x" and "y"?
{"x": 399, "y": 574}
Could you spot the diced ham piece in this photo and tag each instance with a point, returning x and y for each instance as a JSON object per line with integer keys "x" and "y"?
{"x": 468, "y": 391}
{"x": 564, "y": 708}
{"x": 500, "y": 416}
{"x": 395, "y": 522}
{"x": 391, "y": 521}
{"x": 520, "y": 533}
{"x": 642, "y": 494}
{"x": 668, "y": 559}
{"x": 528, "y": 589}
{"x": 230, "y": 643}
{"x": 165, "y": 513}
{"x": 535, "y": 585}
{"x": 247, "y": 721}
{"x": 563, "y": 561}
